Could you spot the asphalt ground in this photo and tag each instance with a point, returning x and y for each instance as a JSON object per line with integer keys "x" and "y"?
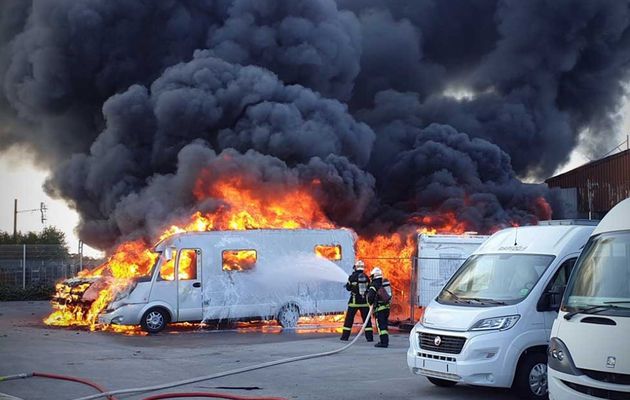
{"x": 118, "y": 361}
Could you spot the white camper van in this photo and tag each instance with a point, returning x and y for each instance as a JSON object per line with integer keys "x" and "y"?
{"x": 490, "y": 324}
{"x": 589, "y": 352}
{"x": 235, "y": 275}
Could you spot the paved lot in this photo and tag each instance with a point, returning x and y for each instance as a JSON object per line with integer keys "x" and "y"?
{"x": 117, "y": 361}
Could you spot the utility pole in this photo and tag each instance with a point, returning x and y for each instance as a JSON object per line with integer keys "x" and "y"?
{"x": 42, "y": 209}
{"x": 15, "y": 219}
{"x": 80, "y": 251}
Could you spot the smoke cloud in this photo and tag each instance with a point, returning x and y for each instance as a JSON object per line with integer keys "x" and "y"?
{"x": 400, "y": 110}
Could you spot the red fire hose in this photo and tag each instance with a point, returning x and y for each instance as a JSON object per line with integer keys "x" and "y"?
{"x": 208, "y": 394}
{"x": 59, "y": 377}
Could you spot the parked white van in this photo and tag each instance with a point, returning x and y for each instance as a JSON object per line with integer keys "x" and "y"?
{"x": 236, "y": 275}
{"x": 490, "y": 324}
{"x": 589, "y": 353}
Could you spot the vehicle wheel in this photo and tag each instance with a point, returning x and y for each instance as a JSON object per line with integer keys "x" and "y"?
{"x": 441, "y": 382}
{"x": 154, "y": 320}
{"x": 288, "y": 316}
{"x": 530, "y": 381}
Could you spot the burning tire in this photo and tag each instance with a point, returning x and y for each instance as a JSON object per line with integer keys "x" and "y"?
{"x": 288, "y": 316}
{"x": 154, "y": 320}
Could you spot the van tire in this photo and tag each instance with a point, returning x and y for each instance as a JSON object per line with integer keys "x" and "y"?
{"x": 530, "y": 381}
{"x": 441, "y": 382}
{"x": 154, "y": 320}
{"x": 288, "y": 316}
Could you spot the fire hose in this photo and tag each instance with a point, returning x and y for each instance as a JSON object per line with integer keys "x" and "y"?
{"x": 231, "y": 372}
{"x": 59, "y": 377}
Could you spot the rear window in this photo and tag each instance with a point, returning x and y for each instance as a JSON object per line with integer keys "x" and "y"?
{"x": 239, "y": 260}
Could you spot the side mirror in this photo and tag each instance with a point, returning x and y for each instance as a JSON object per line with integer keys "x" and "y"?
{"x": 551, "y": 299}
{"x": 169, "y": 253}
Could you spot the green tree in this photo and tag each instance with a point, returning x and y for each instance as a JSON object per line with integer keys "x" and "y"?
{"x": 49, "y": 235}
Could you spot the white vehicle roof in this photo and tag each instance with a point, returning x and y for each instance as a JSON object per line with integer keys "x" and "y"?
{"x": 538, "y": 239}
{"x": 617, "y": 219}
{"x": 328, "y": 235}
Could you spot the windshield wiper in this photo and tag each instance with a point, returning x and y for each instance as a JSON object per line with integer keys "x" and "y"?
{"x": 617, "y": 302}
{"x": 485, "y": 301}
{"x": 456, "y": 297}
{"x": 497, "y": 302}
{"x": 590, "y": 310}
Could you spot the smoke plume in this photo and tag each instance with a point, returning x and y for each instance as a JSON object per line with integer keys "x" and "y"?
{"x": 399, "y": 111}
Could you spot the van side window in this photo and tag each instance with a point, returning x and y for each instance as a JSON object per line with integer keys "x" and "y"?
{"x": 331, "y": 251}
{"x": 167, "y": 270}
{"x": 561, "y": 278}
{"x": 187, "y": 267}
{"x": 239, "y": 260}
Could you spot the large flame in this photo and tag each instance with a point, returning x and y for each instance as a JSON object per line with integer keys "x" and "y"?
{"x": 240, "y": 205}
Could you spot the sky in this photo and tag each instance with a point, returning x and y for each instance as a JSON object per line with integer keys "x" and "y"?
{"x": 23, "y": 180}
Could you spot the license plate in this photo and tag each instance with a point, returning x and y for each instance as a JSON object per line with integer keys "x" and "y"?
{"x": 436, "y": 366}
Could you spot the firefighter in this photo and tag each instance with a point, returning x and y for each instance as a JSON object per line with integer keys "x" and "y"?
{"x": 357, "y": 285}
{"x": 380, "y": 296}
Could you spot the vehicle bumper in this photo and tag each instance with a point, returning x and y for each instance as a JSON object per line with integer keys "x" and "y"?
{"x": 559, "y": 388}
{"x": 481, "y": 361}
{"x": 128, "y": 314}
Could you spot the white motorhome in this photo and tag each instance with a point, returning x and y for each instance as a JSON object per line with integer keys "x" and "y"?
{"x": 589, "y": 352}
{"x": 490, "y": 324}
{"x": 235, "y": 275}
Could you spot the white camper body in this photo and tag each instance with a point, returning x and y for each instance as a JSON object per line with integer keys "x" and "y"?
{"x": 589, "y": 353}
{"x": 490, "y": 325}
{"x": 239, "y": 275}
{"x": 439, "y": 256}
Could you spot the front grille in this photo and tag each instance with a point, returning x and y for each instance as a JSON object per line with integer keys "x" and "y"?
{"x": 449, "y": 344}
{"x": 600, "y": 393}
{"x": 436, "y": 357}
{"x": 609, "y": 377}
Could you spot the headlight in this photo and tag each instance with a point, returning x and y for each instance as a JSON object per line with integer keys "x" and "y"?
{"x": 125, "y": 292}
{"x": 559, "y": 358}
{"x": 497, "y": 323}
{"x": 413, "y": 335}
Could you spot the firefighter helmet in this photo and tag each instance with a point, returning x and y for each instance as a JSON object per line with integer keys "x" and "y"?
{"x": 377, "y": 273}
{"x": 359, "y": 265}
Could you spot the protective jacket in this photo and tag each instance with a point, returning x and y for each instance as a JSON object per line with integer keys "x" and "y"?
{"x": 357, "y": 285}
{"x": 373, "y": 294}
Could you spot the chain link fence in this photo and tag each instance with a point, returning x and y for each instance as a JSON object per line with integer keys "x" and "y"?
{"x": 27, "y": 265}
{"x": 435, "y": 272}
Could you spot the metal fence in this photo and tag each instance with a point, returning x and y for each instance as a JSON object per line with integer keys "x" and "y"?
{"x": 434, "y": 274}
{"x": 34, "y": 264}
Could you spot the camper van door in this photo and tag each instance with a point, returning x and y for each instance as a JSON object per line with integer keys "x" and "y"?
{"x": 189, "y": 288}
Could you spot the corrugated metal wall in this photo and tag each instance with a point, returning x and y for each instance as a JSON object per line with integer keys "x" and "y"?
{"x": 608, "y": 179}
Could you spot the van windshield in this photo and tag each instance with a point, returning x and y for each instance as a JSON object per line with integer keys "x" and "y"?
{"x": 495, "y": 279}
{"x": 602, "y": 276}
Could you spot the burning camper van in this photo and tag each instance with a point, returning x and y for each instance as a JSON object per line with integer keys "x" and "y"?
{"x": 238, "y": 275}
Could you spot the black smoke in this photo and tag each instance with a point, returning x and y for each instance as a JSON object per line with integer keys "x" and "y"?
{"x": 126, "y": 102}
